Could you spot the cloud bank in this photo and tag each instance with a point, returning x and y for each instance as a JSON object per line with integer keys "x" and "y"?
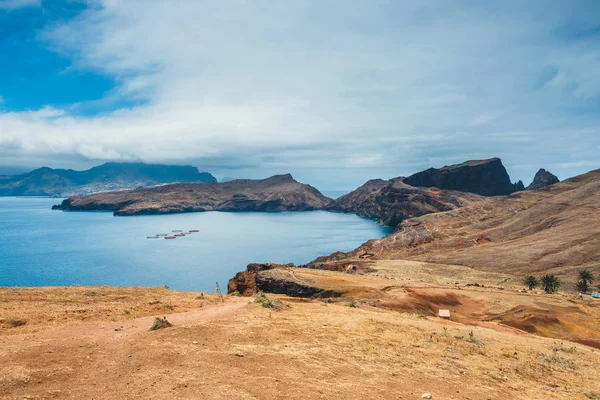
{"x": 334, "y": 91}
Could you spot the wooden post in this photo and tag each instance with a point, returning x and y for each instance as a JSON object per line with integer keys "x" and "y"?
{"x": 219, "y": 292}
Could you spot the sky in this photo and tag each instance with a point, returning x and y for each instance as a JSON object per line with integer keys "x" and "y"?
{"x": 335, "y": 92}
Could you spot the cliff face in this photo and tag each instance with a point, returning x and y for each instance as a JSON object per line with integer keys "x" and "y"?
{"x": 110, "y": 176}
{"x": 278, "y": 193}
{"x": 542, "y": 179}
{"x": 393, "y": 201}
{"x": 484, "y": 177}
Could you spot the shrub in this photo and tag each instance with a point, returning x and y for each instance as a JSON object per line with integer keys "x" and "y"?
{"x": 92, "y": 293}
{"x": 16, "y": 322}
{"x": 530, "y": 282}
{"x": 268, "y": 303}
{"x": 160, "y": 323}
{"x": 550, "y": 283}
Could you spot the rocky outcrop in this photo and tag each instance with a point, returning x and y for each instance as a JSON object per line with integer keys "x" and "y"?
{"x": 286, "y": 281}
{"x": 106, "y": 177}
{"x": 391, "y": 202}
{"x": 484, "y": 177}
{"x": 542, "y": 179}
{"x": 244, "y": 282}
{"x": 278, "y": 193}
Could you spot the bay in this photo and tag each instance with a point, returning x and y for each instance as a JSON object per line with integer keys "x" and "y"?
{"x": 44, "y": 247}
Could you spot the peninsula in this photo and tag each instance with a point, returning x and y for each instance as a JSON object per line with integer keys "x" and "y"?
{"x": 277, "y": 193}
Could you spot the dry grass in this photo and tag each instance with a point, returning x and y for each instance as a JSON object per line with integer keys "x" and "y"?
{"x": 313, "y": 350}
{"x": 50, "y": 306}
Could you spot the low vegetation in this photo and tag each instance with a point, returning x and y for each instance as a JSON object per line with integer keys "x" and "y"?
{"x": 550, "y": 283}
{"x": 160, "y": 323}
{"x": 531, "y": 282}
{"x": 16, "y": 322}
{"x": 275, "y": 304}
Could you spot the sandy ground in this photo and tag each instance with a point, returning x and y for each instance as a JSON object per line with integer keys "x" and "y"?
{"x": 310, "y": 349}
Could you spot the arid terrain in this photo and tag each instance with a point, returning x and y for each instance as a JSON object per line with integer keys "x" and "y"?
{"x": 550, "y": 230}
{"x": 94, "y": 343}
{"x": 358, "y": 325}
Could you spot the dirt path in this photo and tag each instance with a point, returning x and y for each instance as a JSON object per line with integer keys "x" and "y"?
{"x": 97, "y": 332}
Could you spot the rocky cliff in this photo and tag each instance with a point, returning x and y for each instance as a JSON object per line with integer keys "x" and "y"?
{"x": 106, "y": 177}
{"x": 484, "y": 177}
{"x": 542, "y": 179}
{"x": 277, "y": 193}
{"x": 392, "y": 201}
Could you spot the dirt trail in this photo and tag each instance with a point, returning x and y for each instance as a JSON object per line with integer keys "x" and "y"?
{"x": 105, "y": 331}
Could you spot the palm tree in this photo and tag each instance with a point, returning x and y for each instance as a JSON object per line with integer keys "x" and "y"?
{"x": 550, "y": 283}
{"x": 531, "y": 282}
{"x": 585, "y": 280}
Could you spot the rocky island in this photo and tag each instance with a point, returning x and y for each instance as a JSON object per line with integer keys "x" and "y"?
{"x": 277, "y": 193}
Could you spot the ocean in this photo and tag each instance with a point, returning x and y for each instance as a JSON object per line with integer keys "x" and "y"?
{"x": 42, "y": 247}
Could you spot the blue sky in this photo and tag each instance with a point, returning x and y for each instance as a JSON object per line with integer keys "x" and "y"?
{"x": 335, "y": 92}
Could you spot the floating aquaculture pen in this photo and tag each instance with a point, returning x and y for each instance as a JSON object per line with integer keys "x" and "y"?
{"x": 176, "y": 230}
{"x": 194, "y": 230}
{"x": 170, "y": 237}
{"x": 152, "y": 237}
{"x": 161, "y": 234}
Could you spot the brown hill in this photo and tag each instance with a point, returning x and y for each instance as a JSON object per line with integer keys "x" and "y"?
{"x": 391, "y": 202}
{"x": 277, "y": 193}
{"x": 555, "y": 229}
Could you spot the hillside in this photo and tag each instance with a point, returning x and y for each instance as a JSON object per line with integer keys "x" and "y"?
{"x": 554, "y": 229}
{"x": 392, "y": 201}
{"x": 106, "y": 177}
{"x": 277, "y": 193}
{"x": 93, "y": 342}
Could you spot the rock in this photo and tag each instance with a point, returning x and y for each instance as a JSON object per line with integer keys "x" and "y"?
{"x": 393, "y": 201}
{"x": 427, "y": 396}
{"x": 277, "y": 193}
{"x": 518, "y": 186}
{"x": 282, "y": 281}
{"x": 245, "y": 282}
{"x": 484, "y": 177}
{"x": 542, "y": 179}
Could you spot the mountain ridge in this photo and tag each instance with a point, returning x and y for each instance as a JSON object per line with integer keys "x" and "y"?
{"x": 109, "y": 176}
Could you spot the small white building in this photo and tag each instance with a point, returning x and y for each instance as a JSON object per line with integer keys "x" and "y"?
{"x": 444, "y": 314}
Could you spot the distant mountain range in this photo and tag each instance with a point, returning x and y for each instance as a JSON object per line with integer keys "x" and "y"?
{"x": 106, "y": 177}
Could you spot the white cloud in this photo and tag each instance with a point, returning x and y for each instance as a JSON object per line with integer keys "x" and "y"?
{"x": 387, "y": 86}
{"x": 14, "y": 4}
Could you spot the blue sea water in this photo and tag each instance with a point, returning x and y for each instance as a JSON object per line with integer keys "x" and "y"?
{"x": 42, "y": 247}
